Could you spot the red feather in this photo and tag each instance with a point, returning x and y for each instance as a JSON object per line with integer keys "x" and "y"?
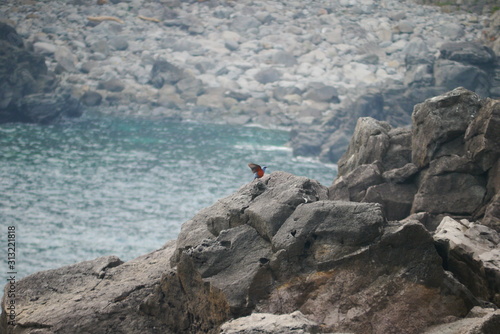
{"x": 256, "y": 169}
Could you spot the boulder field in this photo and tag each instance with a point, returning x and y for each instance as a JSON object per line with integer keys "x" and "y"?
{"x": 311, "y": 66}
{"x": 405, "y": 240}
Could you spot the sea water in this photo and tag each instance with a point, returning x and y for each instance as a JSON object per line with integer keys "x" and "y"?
{"x": 110, "y": 185}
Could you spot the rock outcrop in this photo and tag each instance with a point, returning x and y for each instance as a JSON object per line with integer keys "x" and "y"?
{"x": 450, "y": 170}
{"x": 450, "y": 150}
{"x": 395, "y": 245}
{"x": 28, "y": 92}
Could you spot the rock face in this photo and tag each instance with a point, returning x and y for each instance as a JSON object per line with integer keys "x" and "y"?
{"x": 451, "y": 171}
{"x": 27, "y": 91}
{"x": 405, "y": 241}
{"x": 105, "y": 291}
{"x": 449, "y": 150}
{"x": 279, "y": 256}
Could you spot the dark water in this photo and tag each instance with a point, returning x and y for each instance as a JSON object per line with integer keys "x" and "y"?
{"x": 107, "y": 185}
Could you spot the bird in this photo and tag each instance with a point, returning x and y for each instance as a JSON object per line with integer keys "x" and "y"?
{"x": 257, "y": 171}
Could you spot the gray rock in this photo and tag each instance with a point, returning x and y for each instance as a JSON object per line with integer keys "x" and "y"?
{"x": 322, "y": 93}
{"x": 440, "y": 120}
{"x": 189, "y": 88}
{"x": 243, "y": 24}
{"x": 324, "y": 229}
{"x": 267, "y": 323}
{"x": 398, "y": 153}
{"x": 492, "y": 213}
{"x": 450, "y": 193}
{"x": 112, "y": 85}
{"x": 234, "y": 263}
{"x": 88, "y": 66}
{"x": 231, "y": 45}
{"x": 402, "y": 174}
{"x": 451, "y": 30}
{"x": 417, "y": 52}
{"x": 404, "y": 27}
{"x": 358, "y": 181}
{"x": 396, "y": 199}
{"x": 91, "y": 98}
{"x": 47, "y": 108}
{"x": 164, "y": 72}
{"x": 306, "y": 143}
{"x": 370, "y": 104}
{"x": 119, "y": 43}
{"x": 284, "y": 193}
{"x": 268, "y": 75}
{"x": 422, "y": 75}
{"x": 279, "y": 93}
{"x": 10, "y": 35}
{"x": 44, "y": 48}
{"x": 467, "y": 52}
{"x": 404, "y": 258}
{"x": 65, "y": 59}
{"x": 105, "y": 285}
{"x": 481, "y": 137}
{"x": 22, "y": 73}
{"x": 334, "y": 146}
{"x": 369, "y": 143}
{"x": 101, "y": 47}
{"x": 470, "y": 252}
{"x": 478, "y": 321}
{"x": 284, "y": 58}
{"x": 450, "y": 74}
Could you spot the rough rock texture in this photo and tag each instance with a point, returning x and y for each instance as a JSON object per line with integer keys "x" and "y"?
{"x": 446, "y": 164}
{"x": 471, "y": 252}
{"x": 294, "y": 323}
{"x": 286, "y": 254}
{"x": 439, "y": 121}
{"x": 453, "y": 171}
{"x": 74, "y": 299}
{"x": 27, "y": 90}
{"x": 478, "y": 321}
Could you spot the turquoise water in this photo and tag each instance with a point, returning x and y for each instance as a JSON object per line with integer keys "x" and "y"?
{"x": 108, "y": 185}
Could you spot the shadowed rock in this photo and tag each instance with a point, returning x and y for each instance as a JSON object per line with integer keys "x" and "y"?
{"x": 27, "y": 89}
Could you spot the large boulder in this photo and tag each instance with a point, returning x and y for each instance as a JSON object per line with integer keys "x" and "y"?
{"x": 471, "y": 252}
{"x": 468, "y": 52}
{"x": 183, "y": 303}
{"x": 293, "y": 323}
{"x": 402, "y": 259}
{"x": 46, "y": 108}
{"x": 369, "y": 143}
{"x": 447, "y": 163}
{"x": 277, "y": 245}
{"x": 71, "y": 299}
{"x": 439, "y": 121}
{"x": 27, "y": 89}
{"x": 164, "y": 72}
{"x": 262, "y": 245}
{"x": 450, "y": 74}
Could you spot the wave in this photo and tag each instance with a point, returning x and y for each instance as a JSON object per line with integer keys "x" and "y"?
{"x": 266, "y": 148}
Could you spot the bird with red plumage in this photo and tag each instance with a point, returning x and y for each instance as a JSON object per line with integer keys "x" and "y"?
{"x": 257, "y": 171}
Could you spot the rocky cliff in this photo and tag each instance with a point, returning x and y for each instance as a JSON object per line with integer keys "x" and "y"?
{"x": 405, "y": 241}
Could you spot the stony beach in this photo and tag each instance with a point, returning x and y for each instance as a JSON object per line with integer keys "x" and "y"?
{"x": 311, "y": 66}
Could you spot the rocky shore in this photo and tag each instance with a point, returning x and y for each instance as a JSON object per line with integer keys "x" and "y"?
{"x": 405, "y": 240}
{"x": 310, "y": 66}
